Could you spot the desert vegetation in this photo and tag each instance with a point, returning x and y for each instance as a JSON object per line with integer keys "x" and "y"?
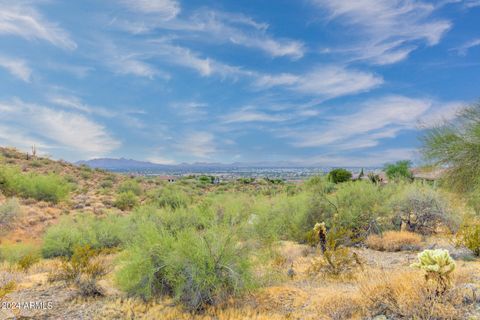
{"x": 119, "y": 247}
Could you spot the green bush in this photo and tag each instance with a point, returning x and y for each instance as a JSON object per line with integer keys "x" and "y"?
{"x": 421, "y": 209}
{"x": 169, "y": 197}
{"x": 83, "y": 270}
{"x": 130, "y": 186}
{"x": 469, "y": 236}
{"x": 398, "y": 170}
{"x": 196, "y": 268}
{"x": 61, "y": 239}
{"x": 106, "y": 184}
{"x": 9, "y": 211}
{"x": 21, "y": 255}
{"x": 356, "y": 206}
{"x": 282, "y": 219}
{"x": 339, "y": 175}
{"x": 50, "y": 187}
{"x": 206, "y": 179}
{"x": 359, "y": 207}
{"x": 319, "y": 185}
{"x": 126, "y": 200}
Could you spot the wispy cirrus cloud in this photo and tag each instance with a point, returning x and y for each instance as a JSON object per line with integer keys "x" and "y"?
{"x": 199, "y": 144}
{"x": 389, "y": 30}
{"x": 244, "y": 31}
{"x": 212, "y": 26}
{"x": 463, "y": 49}
{"x": 161, "y": 9}
{"x": 373, "y": 120}
{"x": 58, "y": 129}
{"x": 250, "y": 114}
{"x": 17, "y": 67}
{"x": 327, "y": 81}
{"x": 22, "y": 19}
{"x": 75, "y": 103}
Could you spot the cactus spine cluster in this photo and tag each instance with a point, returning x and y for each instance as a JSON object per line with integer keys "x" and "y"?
{"x": 438, "y": 266}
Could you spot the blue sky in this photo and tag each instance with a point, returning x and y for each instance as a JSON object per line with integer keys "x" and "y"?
{"x": 342, "y": 83}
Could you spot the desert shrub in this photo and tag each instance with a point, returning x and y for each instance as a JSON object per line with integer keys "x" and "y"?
{"x": 374, "y": 178}
{"x": 406, "y": 295}
{"x": 469, "y": 236}
{"x": 438, "y": 267}
{"x": 9, "y": 211}
{"x": 172, "y": 221}
{"x": 70, "y": 179}
{"x": 357, "y": 206}
{"x": 394, "y": 241}
{"x": 398, "y": 170}
{"x": 50, "y": 187}
{"x": 6, "y": 287}
{"x": 206, "y": 179}
{"x": 473, "y": 200}
{"x": 130, "y": 186}
{"x": 282, "y": 218}
{"x": 83, "y": 270}
{"x": 197, "y": 268}
{"x": 110, "y": 231}
{"x": 246, "y": 180}
{"x": 336, "y": 259}
{"x": 126, "y": 201}
{"x": 61, "y": 239}
{"x": 421, "y": 209}
{"x": 20, "y": 255}
{"x": 106, "y": 184}
{"x": 340, "y": 305}
{"x": 169, "y": 197}
{"x": 319, "y": 185}
{"x": 339, "y": 175}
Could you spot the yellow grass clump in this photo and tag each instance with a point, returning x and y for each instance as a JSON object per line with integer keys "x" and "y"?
{"x": 406, "y": 294}
{"x": 394, "y": 241}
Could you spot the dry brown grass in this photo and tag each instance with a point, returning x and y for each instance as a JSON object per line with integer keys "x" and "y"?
{"x": 406, "y": 294}
{"x": 337, "y": 305}
{"x": 166, "y": 310}
{"x": 394, "y": 241}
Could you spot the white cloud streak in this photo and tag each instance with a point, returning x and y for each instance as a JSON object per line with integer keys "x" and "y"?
{"x": 463, "y": 49}
{"x": 325, "y": 81}
{"x": 388, "y": 29}
{"x": 163, "y": 9}
{"x": 374, "y": 120}
{"x": 17, "y": 67}
{"x": 198, "y": 144}
{"x": 67, "y": 131}
{"x": 20, "y": 19}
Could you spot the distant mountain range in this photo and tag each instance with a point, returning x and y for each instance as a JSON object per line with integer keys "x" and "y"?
{"x": 122, "y": 164}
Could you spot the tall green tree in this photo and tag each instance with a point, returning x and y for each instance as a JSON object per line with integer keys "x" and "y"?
{"x": 455, "y": 144}
{"x": 398, "y": 170}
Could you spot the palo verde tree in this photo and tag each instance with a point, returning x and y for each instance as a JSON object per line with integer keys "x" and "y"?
{"x": 398, "y": 170}
{"x": 455, "y": 144}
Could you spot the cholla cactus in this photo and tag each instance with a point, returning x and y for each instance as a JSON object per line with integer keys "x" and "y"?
{"x": 321, "y": 230}
{"x": 438, "y": 266}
